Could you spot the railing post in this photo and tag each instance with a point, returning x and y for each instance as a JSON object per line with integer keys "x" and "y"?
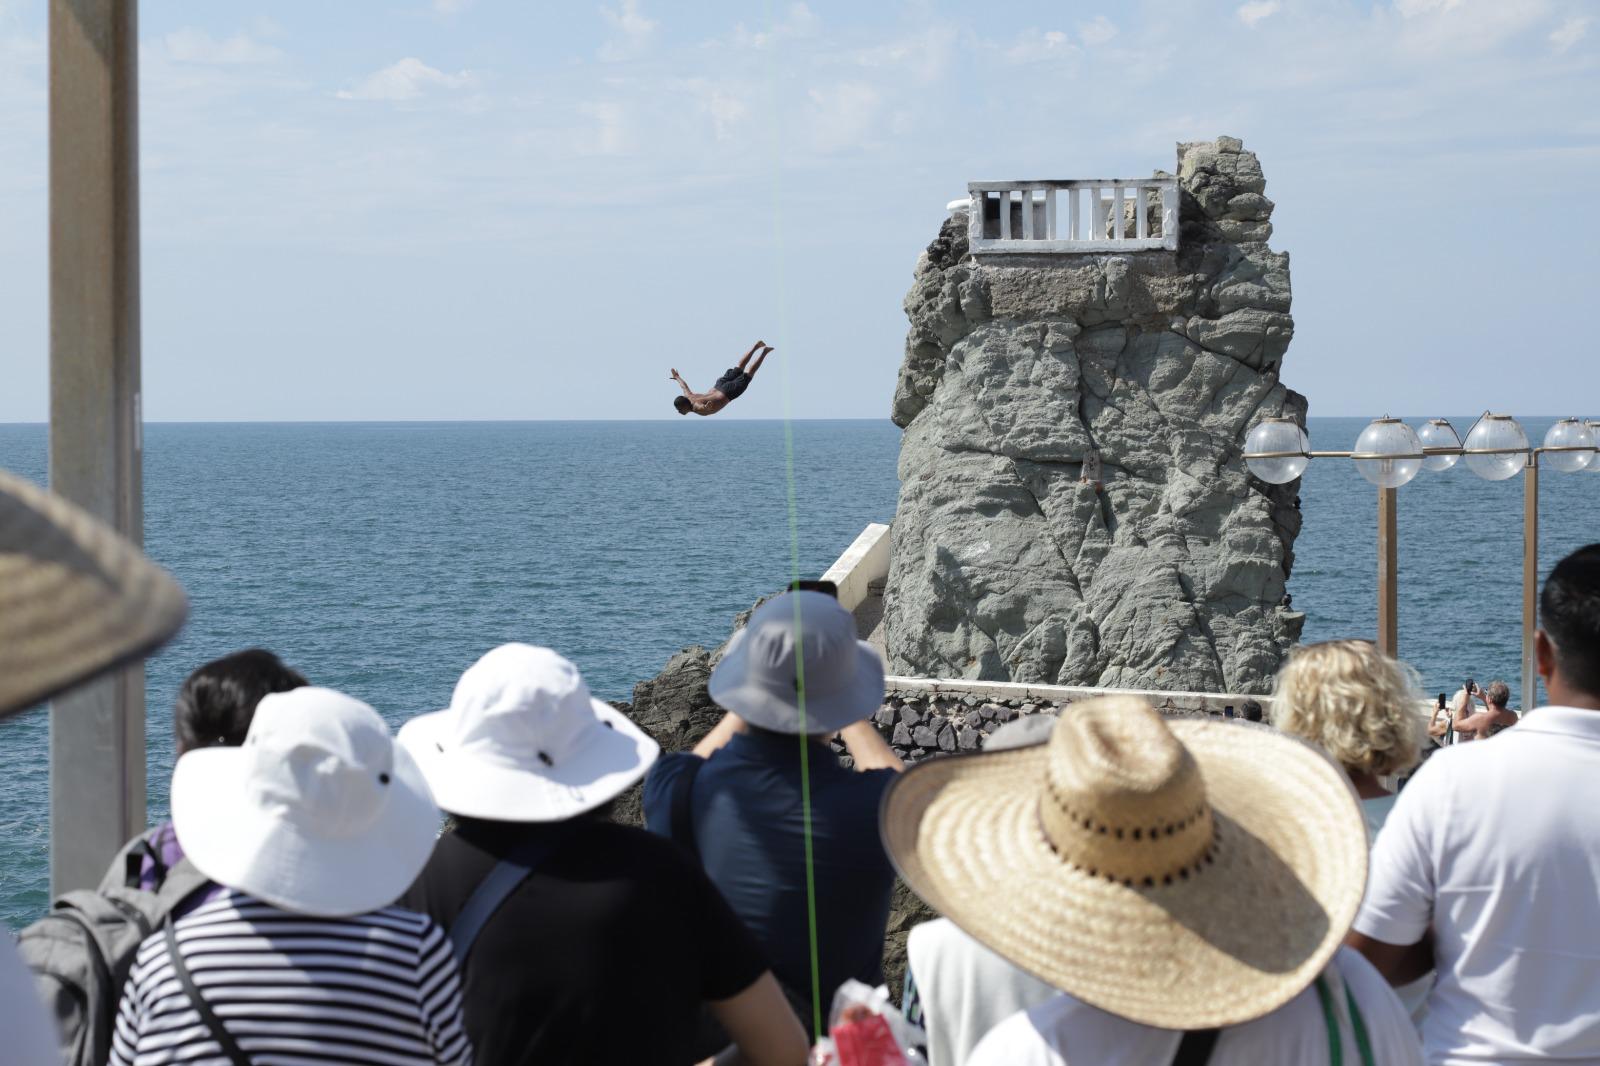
{"x": 1117, "y": 230}
{"x": 1388, "y": 573}
{"x": 1169, "y": 213}
{"x": 1005, "y": 214}
{"x": 1026, "y": 214}
{"x": 1141, "y": 212}
{"x": 1530, "y": 580}
{"x": 97, "y": 772}
{"x": 977, "y": 205}
{"x": 1073, "y": 225}
{"x": 1050, "y": 213}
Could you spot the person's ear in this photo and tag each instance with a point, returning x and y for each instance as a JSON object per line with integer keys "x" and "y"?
{"x": 1544, "y": 656}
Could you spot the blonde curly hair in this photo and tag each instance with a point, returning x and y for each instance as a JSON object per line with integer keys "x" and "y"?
{"x": 1354, "y": 701}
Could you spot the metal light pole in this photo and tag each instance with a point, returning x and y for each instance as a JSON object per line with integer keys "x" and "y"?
{"x": 97, "y": 772}
{"x": 1389, "y": 454}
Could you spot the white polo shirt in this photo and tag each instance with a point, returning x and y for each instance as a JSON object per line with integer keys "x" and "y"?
{"x": 1068, "y": 1032}
{"x": 1496, "y": 846}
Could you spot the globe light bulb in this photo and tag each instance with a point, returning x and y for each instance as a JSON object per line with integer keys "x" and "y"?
{"x": 1569, "y": 433}
{"x": 1439, "y": 433}
{"x": 1277, "y": 435}
{"x": 1594, "y": 427}
{"x": 1503, "y": 434}
{"x": 1388, "y": 453}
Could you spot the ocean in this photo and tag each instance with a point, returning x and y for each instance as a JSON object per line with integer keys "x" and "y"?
{"x": 383, "y": 558}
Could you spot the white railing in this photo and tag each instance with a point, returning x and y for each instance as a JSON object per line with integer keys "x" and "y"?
{"x": 1082, "y": 216}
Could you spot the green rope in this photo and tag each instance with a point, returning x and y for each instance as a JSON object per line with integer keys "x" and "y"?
{"x": 1335, "y": 1041}
{"x": 794, "y": 549}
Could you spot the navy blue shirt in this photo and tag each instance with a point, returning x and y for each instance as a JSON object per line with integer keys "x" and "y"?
{"x": 749, "y": 831}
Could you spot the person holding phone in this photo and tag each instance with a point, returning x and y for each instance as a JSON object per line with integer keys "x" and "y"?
{"x": 1441, "y": 727}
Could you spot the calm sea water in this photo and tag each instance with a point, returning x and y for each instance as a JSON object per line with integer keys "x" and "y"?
{"x": 382, "y": 559}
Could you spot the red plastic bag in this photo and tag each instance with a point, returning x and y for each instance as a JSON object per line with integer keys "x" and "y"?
{"x": 865, "y": 1029}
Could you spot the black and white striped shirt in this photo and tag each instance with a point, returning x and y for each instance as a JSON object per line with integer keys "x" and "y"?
{"x": 378, "y": 988}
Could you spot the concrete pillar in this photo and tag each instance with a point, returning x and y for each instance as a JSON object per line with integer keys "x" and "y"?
{"x": 97, "y": 777}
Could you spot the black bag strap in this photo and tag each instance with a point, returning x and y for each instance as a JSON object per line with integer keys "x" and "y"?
{"x": 218, "y": 1033}
{"x": 681, "y": 826}
{"x": 1195, "y": 1047}
{"x": 494, "y": 889}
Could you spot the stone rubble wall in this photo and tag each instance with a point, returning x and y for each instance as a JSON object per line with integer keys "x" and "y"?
{"x": 1006, "y": 566}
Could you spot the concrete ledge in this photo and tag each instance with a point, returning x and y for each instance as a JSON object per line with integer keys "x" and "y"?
{"x": 1209, "y": 702}
{"x": 865, "y": 561}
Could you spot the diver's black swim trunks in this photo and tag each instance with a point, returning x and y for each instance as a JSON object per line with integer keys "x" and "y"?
{"x": 733, "y": 383}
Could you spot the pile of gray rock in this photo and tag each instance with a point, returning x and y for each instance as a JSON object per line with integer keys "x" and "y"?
{"x": 1010, "y": 563}
{"x": 918, "y": 724}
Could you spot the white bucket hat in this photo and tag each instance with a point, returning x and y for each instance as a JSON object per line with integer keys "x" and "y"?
{"x": 319, "y": 812}
{"x": 523, "y": 741}
{"x": 758, "y": 678}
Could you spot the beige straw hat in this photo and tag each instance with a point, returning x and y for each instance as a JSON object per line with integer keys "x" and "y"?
{"x": 76, "y": 599}
{"x": 1184, "y": 874}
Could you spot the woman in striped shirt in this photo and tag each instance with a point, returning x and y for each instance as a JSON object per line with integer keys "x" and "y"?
{"x": 315, "y": 824}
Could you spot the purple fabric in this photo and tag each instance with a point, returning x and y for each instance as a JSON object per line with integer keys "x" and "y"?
{"x": 165, "y": 840}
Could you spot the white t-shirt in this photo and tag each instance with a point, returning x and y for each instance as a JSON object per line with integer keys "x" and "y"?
{"x": 1496, "y": 846}
{"x": 1068, "y": 1032}
{"x": 965, "y": 989}
{"x": 27, "y": 1033}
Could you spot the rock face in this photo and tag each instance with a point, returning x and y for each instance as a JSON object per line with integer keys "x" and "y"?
{"x": 1006, "y": 565}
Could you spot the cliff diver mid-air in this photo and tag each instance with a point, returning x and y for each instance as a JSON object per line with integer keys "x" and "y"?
{"x": 729, "y": 387}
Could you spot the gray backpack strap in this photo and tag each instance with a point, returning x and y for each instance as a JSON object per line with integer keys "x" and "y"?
{"x": 219, "y": 1032}
{"x": 182, "y": 881}
{"x": 492, "y": 891}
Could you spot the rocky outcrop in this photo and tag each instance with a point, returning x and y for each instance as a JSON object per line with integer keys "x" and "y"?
{"x": 1007, "y": 564}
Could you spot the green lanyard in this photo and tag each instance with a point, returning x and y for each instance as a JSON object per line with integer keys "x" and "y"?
{"x": 1335, "y": 1042}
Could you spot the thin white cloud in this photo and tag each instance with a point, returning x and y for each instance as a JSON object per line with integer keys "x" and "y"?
{"x": 1097, "y": 30}
{"x": 925, "y": 55}
{"x": 408, "y": 79}
{"x": 451, "y": 7}
{"x": 1035, "y": 45}
{"x": 844, "y": 115}
{"x": 608, "y": 133}
{"x": 631, "y": 32}
{"x": 1413, "y": 8}
{"x": 1256, "y": 10}
{"x": 191, "y": 45}
{"x": 1569, "y": 33}
{"x": 798, "y": 21}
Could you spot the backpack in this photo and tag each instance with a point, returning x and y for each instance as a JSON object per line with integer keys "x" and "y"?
{"x": 80, "y": 953}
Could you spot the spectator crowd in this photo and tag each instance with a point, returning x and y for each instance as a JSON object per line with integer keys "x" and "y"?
{"x": 1115, "y": 886}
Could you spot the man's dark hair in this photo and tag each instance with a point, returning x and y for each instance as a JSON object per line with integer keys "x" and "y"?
{"x": 217, "y": 701}
{"x": 682, "y": 404}
{"x": 1252, "y": 711}
{"x": 1569, "y": 613}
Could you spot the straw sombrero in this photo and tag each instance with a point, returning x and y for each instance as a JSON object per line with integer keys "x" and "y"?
{"x": 1184, "y": 874}
{"x": 76, "y": 599}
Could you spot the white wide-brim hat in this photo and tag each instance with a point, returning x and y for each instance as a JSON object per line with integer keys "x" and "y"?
{"x": 319, "y": 812}
{"x": 1183, "y": 874}
{"x": 524, "y": 741}
{"x": 762, "y": 680}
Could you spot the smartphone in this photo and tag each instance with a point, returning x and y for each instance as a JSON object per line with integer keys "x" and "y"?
{"x": 827, "y": 588}
{"x": 1227, "y": 712}
{"x": 1472, "y": 686}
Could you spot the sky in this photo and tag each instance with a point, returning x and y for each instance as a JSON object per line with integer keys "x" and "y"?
{"x": 494, "y": 209}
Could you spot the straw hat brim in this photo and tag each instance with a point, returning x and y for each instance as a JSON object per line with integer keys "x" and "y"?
{"x": 76, "y": 599}
{"x": 1229, "y": 943}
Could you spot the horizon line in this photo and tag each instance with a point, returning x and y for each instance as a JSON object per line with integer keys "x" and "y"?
{"x": 579, "y": 421}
